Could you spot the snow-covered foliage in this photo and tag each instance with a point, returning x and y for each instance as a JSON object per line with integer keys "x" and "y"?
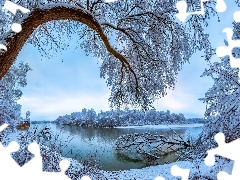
{"x": 140, "y": 44}
{"x": 124, "y": 118}
{"x": 223, "y": 104}
{"x": 10, "y": 92}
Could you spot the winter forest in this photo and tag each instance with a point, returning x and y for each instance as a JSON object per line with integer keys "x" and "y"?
{"x": 141, "y": 47}
{"x": 124, "y": 118}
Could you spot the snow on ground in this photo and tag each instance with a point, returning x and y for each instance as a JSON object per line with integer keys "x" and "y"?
{"x": 150, "y": 173}
{"x": 162, "y": 126}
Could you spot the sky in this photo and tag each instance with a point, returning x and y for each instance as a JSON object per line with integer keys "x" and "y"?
{"x": 57, "y": 88}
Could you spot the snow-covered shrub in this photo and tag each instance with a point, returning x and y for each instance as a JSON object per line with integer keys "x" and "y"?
{"x": 223, "y": 104}
{"x": 49, "y": 152}
{"x": 10, "y": 92}
{"x": 146, "y": 145}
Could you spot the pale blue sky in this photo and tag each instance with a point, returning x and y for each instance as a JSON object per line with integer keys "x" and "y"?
{"x": 57, "y": 88}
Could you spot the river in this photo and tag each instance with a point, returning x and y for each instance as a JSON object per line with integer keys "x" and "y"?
{"x": 97, "y": 144}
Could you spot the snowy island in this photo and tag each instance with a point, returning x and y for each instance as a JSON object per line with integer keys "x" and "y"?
{"x": 125, "y": 118}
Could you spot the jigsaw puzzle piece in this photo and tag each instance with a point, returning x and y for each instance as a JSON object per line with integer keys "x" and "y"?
{"x": 35, "y": 167}
{"x": 223, "y": 176}
{"x": 64, "y": 164}
{"x": 88, "y": 178}
{"x": 226, "y": 150}
{"x": 12, "y": 147}
{"x": 20, "y": 153}
{"x": 221, "y": 6}
{"x": 236, "y": 16}
{"x": 159, "y": 178}
{"x": 177, "y": 171}
{"x": 5, "y": 156}
{"x": 210, "y": 158}
{"x": 31, "y": 170}
{"x": 223, "y": 51}
{"x": 6, "y": 169}
{"x": 182, "y": 10}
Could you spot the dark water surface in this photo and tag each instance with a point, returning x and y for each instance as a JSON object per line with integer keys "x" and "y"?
{"x": 97, "y": 144}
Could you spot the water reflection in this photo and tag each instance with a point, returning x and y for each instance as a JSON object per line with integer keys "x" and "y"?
{"x": 106, "y": 133}
{"x": 170, "y": 157}
{"x": 97, "y": 144}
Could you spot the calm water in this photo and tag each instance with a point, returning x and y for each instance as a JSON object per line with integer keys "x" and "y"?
{"x": 98, "y": 144}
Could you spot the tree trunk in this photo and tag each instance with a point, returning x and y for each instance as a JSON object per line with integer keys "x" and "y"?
{"x": 40, "y": 16}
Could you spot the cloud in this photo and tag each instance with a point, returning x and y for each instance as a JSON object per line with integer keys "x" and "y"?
{"x": 188, "y": 89}
{"x": 57, "y": 88}
{"x": 180, "y": 102}
{"x": 45, "y": 107}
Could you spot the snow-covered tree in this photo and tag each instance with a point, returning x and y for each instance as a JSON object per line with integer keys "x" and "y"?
{"x": 118, "y": 117}
{"x": 140, "y": 43}
{"x": 222, "y": 101}
{"x": 10, "y": 92}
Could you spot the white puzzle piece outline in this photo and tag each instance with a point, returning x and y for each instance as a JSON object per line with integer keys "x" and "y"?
{"x": 228, "y": 150}
{"x": 222, "y": 51}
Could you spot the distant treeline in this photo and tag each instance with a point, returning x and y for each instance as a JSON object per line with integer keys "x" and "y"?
{"x": 115, "y": 118}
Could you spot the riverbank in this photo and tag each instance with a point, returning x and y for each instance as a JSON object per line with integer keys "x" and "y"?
{"x": 197, "y": 169}
{"x": 51, "y": 161}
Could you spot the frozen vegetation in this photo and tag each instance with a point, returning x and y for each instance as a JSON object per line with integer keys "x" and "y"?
{"x": 148, "y": 146}
{"x": 10, "y": 93}
{"x": 116, "y": 118}
{"x": 51, "y": 159}
{"x": 141, "y": 65}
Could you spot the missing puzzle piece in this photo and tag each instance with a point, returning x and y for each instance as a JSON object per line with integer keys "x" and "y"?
{"x": 222, "y": 51}
{"x": 182, "y": 9}
{"x": 9, "y": 169}
{"x": 64, "y": 164}
{"x": 236, "y": 16}
{"x": 7, "y": 163}
{"x": 177, "y": 171}
{"x": 227, "y": 150}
